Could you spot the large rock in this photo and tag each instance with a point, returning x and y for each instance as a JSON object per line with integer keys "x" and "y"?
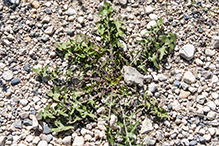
{"x": 189, "y": 77}
{"x": 67, "y": 140}
{"x": 131, "y": 75}
{"x": 146, "y": 126}
{"x": 187, "y": 51}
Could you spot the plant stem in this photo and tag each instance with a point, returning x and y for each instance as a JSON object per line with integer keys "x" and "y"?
{"x": 111, "y": 100}
{"x": 123, "y": 116}
{"x": 136, "y": 56}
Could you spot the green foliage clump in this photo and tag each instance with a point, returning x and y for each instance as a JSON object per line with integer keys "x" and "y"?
{"x": 94, "y": 80}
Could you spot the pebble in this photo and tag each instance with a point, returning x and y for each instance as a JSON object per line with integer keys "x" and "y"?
{"x": 15, "y": 81}
{"x": 81, "y": 20}
{"x": 49, "y": 30}
{"x": 18, "y": 124}
{"x": 70, "y": 12}
{"x": 36, "y": 140}
{"x": 8, "y": 75}
{"x": 78, "y": 141}
{"x": 27, "y": 67}
{"x": 175, "y": 105}
{"x": 215, "y": 42}
{"x": 209, "y": 52}
{"x": 151, "y": 23}
{"x": 149, "y": 9}
{"x": 67, "y": 140}
{"x": 211, "y": 105}
{"x": 152, "y": 87}
{"x": 42, "y": 143}
{"x": 35, "y": 4}
{"x": 146, "y": 126}
{"x": 187, "y": 51}
{"x": 123, "y": 2}
{"x": 184, "y": 94}
{"x": 189, "y": 77}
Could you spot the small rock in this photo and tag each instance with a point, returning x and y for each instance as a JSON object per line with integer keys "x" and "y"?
{"x": 27, "y": 67}
{"x": 149, "y": 9}
{"x": 2, "y": 140}
{"x": 24, "y": 115}
{"x": 113, "y": 120}
{"x": 184, "y": 94}
{"x": 206, "y": 74}
{"x": 214, "y": 95}
{"x": 15, "y": 1}
{"x": 176, "y": 105}
{"x": 67, "y": 140}
{"x": 215, "y": 42}
{"x": 45, "y": 37}
{"x": 193, "y": 143}
{"x": 211, "y": 105}
{"x": 15, "y": 81}
{"x": 146, "y": 126}
{"x": 211, "y": 131}
{"x": 207, "y": 137}
{"x": 123, "y": 2}
{"x": 153, "y": 17}
{"x": 18, "y": 124}
{"x": 29, "y": 138}
{"x": 6, "y": 42}
{"x": 35, "y": 4}
{"x": 42, "y": 143}
{"x": 192, "y": 89}
{"x": 185, "y": 142}
{"x": 7, "y": 75}
{"x": 209, "y": 52}
{"x": 36, "y": 140}
{"x": 131, "y": 75}
{"x": 143, "y": 33}
{"x": 49, "y": 30}
{"x": 187, "y": 51}
{"x": 49, "y": 138}
{"x": 23, "y": 102}
{"x": 81, "y": 19}
{"x": 71, "y": 11}
{"x": 46, "y": 19}
{"x": 206, "y": 109}
{"x": 152, "y": 87}
{"x": 46, "y": 129}
{"x": 78, "y": 141}
{"x": 211, "y": 115}
{"x": 214, "y": 79}
{"x": 151, "y": 23}
{"x": 198, "y": 62}
{"x": 201, "y": 99}
{"x": 27, "y": 122}
{"x": 162, "y": 77}
{"x": 35, "y": 123}
{"x": 189, "y": 77}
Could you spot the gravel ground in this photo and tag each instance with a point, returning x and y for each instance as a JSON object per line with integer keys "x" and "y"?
{"x": 187, "y": 85}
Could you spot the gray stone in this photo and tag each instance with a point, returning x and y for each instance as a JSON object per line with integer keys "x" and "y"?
{"x": 193, "y": 143}
{"x": 209, "y": 52}
{"x": 146, "y": 126}
{"x": 7, "y": 75}
{"x": 42, "y": 143}
{"x": 113, "y": 120}
{"x": 15, "y": 81}
{"x": 149, "y": 141}
{"x": 49, "y": 30}
{"x": 78, "y": 141}
{"x": 27, "y": 122}
{"x": 6, "y": 42}
{"x": 152, "y": 87}
{"x": 35, "y": 123}
{"x": 27, "y": 67}
{"x": 46, "y": 129}
{"x": 131, "y": 75}
{"x": 211, "y": 104}
{"x": 67, "y": 140}
{"x": 18, "y": 124}
{"x": 46, "y": 19}
{"x": 184, "y": 85}
{"x": 187, "y": 51}
{"x": 143, "y": 33}
{"x": 215, "y": 42}
{"x": 211, "y": 131}
{"x": 49, "y": 138}
{"x": 148, "y": 78}
{"x": 71, "y": 11}
{"x": 207, "y": 137}
{"x": 189, "y": 77}
{"x": 153, "y": 16}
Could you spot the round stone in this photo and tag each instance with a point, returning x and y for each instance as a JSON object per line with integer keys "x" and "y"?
{"x": 7, "y": 75}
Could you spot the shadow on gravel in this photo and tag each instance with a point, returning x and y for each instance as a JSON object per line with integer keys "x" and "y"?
{"x": 82, "y": 6}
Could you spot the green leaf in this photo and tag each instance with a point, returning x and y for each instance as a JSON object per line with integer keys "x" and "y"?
{"x": 143, "y": 68}
{"x": 37, "y": 70}
{"x": 162, "y": 52}
{"x": 61, "y": 127}
{"x": 154, "y": 60}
